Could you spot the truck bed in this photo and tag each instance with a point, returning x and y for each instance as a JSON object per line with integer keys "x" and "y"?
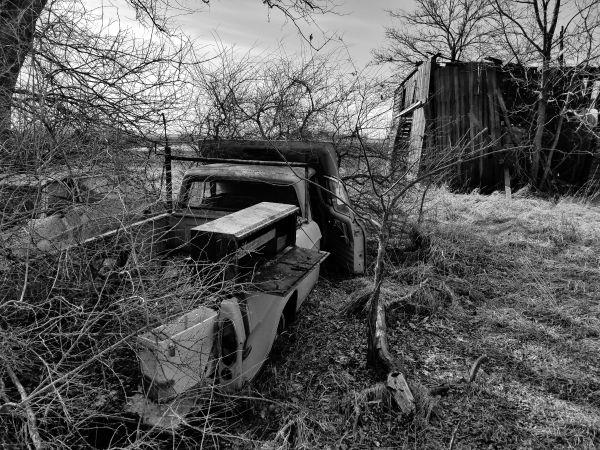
{"x": 280, "y": 275}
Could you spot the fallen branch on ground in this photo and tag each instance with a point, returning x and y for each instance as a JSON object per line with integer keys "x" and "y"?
{"x": 443, "y": 389}
{"x": 453, "y": 437}
{"x": 381, "y": 359}
{"x": 394, "y": 392}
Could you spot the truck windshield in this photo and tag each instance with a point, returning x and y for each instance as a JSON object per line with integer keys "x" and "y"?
{"x": 233, "y": 195}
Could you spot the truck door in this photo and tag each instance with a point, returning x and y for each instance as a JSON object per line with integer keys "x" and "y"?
{"x": 343, "y": 234}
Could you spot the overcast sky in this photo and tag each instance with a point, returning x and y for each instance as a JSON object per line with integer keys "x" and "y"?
{"x": 248, "y": 24}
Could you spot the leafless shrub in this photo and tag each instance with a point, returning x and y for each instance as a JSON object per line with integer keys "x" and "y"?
{"x": 71, "y": 306}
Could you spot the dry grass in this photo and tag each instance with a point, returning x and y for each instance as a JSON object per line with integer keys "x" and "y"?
{"x": 516, "y": 280}
{"x": 68, "y": 322}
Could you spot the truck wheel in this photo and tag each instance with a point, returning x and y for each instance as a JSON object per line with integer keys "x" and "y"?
{"x": 281, "y": 325}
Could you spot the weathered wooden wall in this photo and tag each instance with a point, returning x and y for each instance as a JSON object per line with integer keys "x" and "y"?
{"x": 444, "y": 112}
{"x": 474, "y": 112}
{"x": 467, "y": 123}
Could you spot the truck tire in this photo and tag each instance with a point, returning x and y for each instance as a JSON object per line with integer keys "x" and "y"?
{"x": 281, "y": 325}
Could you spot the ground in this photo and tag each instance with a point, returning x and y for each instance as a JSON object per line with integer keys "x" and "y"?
{"x": 518, "y": 281}
{"x": 515, "y": 280}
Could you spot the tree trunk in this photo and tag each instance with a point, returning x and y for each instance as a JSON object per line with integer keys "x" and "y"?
{"x": 378, "y": 355}
{"x": 17, "y": 26}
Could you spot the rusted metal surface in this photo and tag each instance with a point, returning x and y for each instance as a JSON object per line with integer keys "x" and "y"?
{"x": 280, "y": 275}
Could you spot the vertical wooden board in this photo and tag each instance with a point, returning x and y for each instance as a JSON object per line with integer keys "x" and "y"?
{"x": 489, "y": 127}
{"x": 498, "y": 169}
{"x": 395, "y": 118}
{"x": 483, "y": 117}
{"x": 417, "y": 131}
{"x": 471, "y": 115}
{"x": 445, "y": 99}
{"x": 457, "y": 99}
{"x": 429, "y": 109}
{"x": 437, "y": 99}
{"x": 460, "y": 121}
{"x": 469, "y": 125}
{"x": 425, "y": 95}
{"x": 400, "y": 97}
{"x": 468, "y": 109}
{"x": 457, "y": 94}
{"x": 493, "y": 123}
{"x": 443, "y": 102}
{"x": 426, "y": 81}
{"x": 438, "y": 108}
{"x": 464, "y": 105}
{"x": 474, "y": 119}
{"x": 460, "y": 83}
{"x": 449, "y": 96}
{"x": 448, "y": 102}
{"x": 402, "y": 102}
{"x": 452, "y": 106}
{"x": 490, "y": 176}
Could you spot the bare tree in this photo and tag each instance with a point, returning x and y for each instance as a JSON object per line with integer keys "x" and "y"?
{"x": 275, "y": 97}
{"x": 17, "y": 26}
{"x": 18, "y": 19}
{"x": 559, "y": 38}
{"x": 80, "y": 75}
{"x": 455, "y": 29}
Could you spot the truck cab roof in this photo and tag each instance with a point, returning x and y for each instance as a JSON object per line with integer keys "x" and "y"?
{"x": 321, "y": 156}
{"x": 262, "y": 173}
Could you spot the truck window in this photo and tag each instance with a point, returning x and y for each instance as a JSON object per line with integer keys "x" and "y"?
{"x": 337, "y": 195}
{"x": 233, "y": 195}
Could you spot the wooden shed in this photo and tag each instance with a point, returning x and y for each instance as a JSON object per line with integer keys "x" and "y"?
{"x": 465, "y": 111}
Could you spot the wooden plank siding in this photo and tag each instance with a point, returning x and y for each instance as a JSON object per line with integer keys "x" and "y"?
{"x": 418, "y": 126}
{"x": 467, "y": 112}
{"x": 460, "y": 120}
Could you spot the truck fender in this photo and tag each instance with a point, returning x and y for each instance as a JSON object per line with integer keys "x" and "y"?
{"x": 309, "y": 236}
{"x": 231, "y": 338}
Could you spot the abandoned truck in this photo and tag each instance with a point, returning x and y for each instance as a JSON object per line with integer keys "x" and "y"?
{"x": 50, "y": 212}
{"x": 266, "y": 215}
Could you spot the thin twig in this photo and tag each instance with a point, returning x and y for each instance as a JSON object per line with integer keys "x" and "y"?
{"x": 475, "y": 367}
{"x": 453, "y": 437}
{"x": 31, "y": 420}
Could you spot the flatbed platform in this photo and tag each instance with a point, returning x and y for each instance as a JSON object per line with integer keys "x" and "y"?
{"x": 241, "y": 224}
{"x": 278, "y": 276}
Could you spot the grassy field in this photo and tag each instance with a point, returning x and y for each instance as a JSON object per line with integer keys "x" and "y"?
{"x": 518, "y": 281}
